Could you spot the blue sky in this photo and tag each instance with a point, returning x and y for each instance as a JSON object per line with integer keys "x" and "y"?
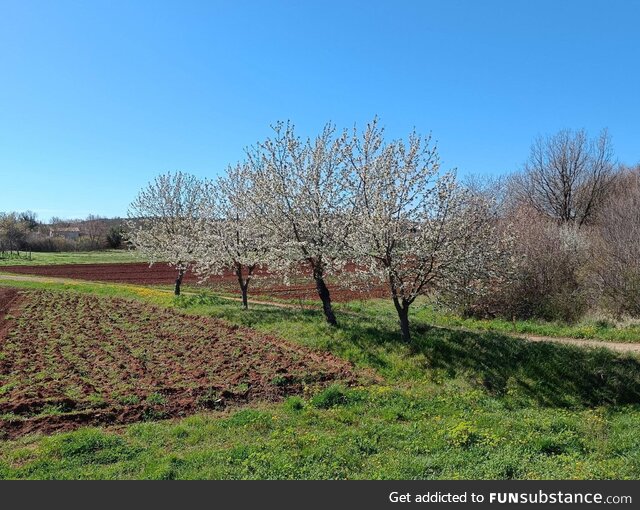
{"x": 97, "y": 98}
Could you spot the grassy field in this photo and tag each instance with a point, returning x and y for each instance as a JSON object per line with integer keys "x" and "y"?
{"x": 76, "y": 257}
{"x": 453, "y": 405}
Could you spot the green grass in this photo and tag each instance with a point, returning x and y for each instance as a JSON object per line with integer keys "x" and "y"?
{"x": 79, "y": 257}
{"x": 453, "y": 405}
{"x": 424, "y": 313}
{"x": 506, "y": 366}
{"x": 588, "y": 328}
{"x": 157, "y": 296}
{"x": 380, "y": 432}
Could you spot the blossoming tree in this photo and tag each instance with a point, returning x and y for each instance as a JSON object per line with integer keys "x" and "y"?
{"x": 416, "y": 228}
{"x": 301, "y": 203}
{"x": 229, "y": 235}
{"x": 163, "y": 221}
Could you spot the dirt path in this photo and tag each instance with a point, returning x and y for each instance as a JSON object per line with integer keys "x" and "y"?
{"x": 614, "y": 346}
{"x": 41, "y": 279}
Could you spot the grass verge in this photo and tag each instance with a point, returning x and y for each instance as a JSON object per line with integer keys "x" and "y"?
{"x": 74, "y": 257}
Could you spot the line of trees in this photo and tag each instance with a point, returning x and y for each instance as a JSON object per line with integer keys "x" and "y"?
{"x": 552, "y": 241}
{"x": 23, "y": 232}
{"x": 315, "y": 205}
{"x": 14, "y": 231}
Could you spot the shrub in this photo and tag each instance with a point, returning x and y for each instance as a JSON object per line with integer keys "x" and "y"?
{"x": 332, "y": 396}
{"x": 616, "y": 249}
{"x": 294, "y": 403}
{"x": 548, "y": 279}
{"x": 115, "y": 237}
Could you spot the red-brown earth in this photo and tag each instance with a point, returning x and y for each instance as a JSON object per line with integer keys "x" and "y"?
{"x": 68, "y": 359}
{"x": 140, "y": 273}
{"x": 8, "y": 298}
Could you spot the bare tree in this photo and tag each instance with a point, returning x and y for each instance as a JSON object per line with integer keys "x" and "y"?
{"x": 616, "y": 253}
{"x": 164, "y": 219}
{"x": 29, "y": 219}
{"x": 229, "y": 234}
{"x": 418, "y": 229}
{"x": 567, "y": 176}
{"x": 58, "y": 222}
{"x": 96, "y": 230}
{"x": 13, "y": 232}
{"x": 301, "y": 203}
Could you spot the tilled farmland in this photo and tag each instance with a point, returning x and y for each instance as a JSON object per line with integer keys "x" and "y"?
{"x": 135, "y": 272}
{"x": 264, "y": 284}
{"x": 70, "y": 359}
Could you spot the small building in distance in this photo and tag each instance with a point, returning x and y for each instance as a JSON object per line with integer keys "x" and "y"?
{"x": 69, "y": 233}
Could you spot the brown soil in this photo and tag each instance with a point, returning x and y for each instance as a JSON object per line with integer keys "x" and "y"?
{"x": 9, "y": 298}
{"x": 140, "y": 273}
{"x": 136, "y": 273}
{"x": 70, "y": 360}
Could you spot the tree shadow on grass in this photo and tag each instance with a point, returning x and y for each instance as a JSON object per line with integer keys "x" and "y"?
{"x": 552, "y": 374}
{"x": 360, "y": 342}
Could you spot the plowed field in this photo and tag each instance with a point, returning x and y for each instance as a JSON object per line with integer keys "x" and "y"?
{"x": 7, "y": 297}
{"x": 136, "y": 272}
{"x": 141, "y": 273}
{"x": 68, "y": 360}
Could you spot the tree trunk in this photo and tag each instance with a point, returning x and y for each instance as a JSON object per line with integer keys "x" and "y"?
{"x": 245, "y": 301}
{"x": 325, "y": 297}
{"x": 403, "y": 315}
{"x": 244, "y": 284}
{"x": 179, "y": 281}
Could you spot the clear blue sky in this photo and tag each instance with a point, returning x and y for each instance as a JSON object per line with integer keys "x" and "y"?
{"x": 97, "y": 97}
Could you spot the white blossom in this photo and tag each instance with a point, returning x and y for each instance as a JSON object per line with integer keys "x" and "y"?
{"x": 302, "y": 203}
{"x": 420, "y": 231}
{"x": 228, "y": 234}
{"x": 163, "y": 221}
